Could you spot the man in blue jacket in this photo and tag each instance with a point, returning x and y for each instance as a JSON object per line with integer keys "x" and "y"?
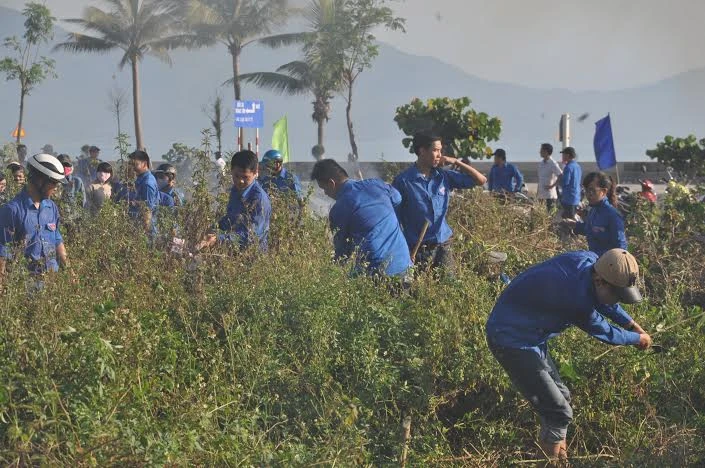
{"x": 504, "y": 177}
{"x": 575, "y": 288}
{"x": 425, "y": 190}
{"x": 363, "y": 220}
{"x": 570, "y": 183}
{"x": 276, "y": 178}
{"x": 246, "y": 221}
{"x": 143, "y": 202}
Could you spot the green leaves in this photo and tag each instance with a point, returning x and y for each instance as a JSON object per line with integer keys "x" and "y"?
{"x": 685, "y": 155}
{"x": 465, "y": 132}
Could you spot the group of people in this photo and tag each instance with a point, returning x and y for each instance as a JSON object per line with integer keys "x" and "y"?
{"x": 386, "y": 229}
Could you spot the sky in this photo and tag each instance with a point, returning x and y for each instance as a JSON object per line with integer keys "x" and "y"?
{"x": 570, "y": 44}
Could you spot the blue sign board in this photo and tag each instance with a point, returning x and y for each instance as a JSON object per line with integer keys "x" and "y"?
{"x": 249, "y": 114}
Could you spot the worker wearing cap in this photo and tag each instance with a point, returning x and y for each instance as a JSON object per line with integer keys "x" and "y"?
{"x": 74, "y": 190}
{"x": 504, "y": 177}
{"x": 166, "y": 182}
{"x": 575, "y": 288}
{"x": 364, "y": 221}
{"x": 425, "y": 191}
{"x": 570, "y": 183}
{"x": 277, "y": 178}
{"x": 31, "y": 219}
{"x": 17, "y": 172}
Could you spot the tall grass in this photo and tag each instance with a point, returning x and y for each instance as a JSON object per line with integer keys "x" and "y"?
{"x": 137, "y": 356}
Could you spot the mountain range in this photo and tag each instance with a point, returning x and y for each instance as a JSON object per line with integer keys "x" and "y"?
{"x": 74, "y": 108}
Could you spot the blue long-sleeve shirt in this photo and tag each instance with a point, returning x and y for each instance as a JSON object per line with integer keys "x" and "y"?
{"x": 549, "y": 297}
{"x": 37, "y": 229}
{"x": 603, "y": 227}
{"x": 363, "y": 219}
{"x": 570, "y": 184}
{"x": 146, "y": 191}
{"x": 284, "y": 182}
{"x": 506, "y": 178}
{"x": 247, "y": 217}
{"x": 427, "y": 199}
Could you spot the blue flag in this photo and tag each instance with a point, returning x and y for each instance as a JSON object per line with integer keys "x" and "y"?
{"x": 604, "y": 144}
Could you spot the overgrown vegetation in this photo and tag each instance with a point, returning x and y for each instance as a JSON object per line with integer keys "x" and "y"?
{"x": 137, "y": 356}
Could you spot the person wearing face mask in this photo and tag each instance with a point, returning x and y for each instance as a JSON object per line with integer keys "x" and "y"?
{"x": 573, "y": 289}
{"x": 603, "y": 226}
{"x": 101, "y": 189}
{"x": 31, "y": 219}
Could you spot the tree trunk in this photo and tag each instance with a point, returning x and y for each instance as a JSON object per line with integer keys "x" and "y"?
{"x": 348, "y": 116}
{"x": 137, "y": 102}
{"x": 19, "y": 123}
{"x": 321, "y": 123}
{"x": 235, "y": 52}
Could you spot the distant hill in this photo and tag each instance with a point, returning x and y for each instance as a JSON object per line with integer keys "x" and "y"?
{"x": 73, "y": 109}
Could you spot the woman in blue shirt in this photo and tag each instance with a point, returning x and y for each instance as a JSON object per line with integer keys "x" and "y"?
{"x": 603, "y": 226}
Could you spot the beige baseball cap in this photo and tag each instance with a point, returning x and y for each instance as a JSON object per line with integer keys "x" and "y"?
{"x": 620, "y": 269}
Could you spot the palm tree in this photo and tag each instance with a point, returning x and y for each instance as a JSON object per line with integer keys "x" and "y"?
{"x": 319, "y": 73}
{"x": 137, "y": 27}
{"x": 237, "y": 24}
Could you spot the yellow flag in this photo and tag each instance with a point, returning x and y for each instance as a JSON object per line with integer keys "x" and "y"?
{"x": 280, "y": 138}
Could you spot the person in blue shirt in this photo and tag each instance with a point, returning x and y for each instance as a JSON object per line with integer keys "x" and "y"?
{"x": 166, "y": 182}
{"x": 246, "y": 221}
{"x": 603, "y": 226}
{"x": 570, "y": 183}
{"x": 504, "y": 177}
{"x": 72, "y": 198}
{"x": 277, "y": 178}
{"x": 87, "y": 165}
{"x": 425, "y": 190}
{"x": 31, "y": 219}
{"x": 575, "y": 288}
{"x": 143, "y": 201}
{"x": 364, "y": 221}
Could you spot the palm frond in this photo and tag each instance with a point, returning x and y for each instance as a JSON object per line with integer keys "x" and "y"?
{"x": 280, "y": 40}
{"x": 80, "y": 43}
{"x": 277, "y": 82}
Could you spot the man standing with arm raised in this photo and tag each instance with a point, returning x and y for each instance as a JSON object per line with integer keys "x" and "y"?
{"x": 425, "y": 189}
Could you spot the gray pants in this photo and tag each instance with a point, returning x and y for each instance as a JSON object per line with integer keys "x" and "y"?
{"x": 537, "y": 379}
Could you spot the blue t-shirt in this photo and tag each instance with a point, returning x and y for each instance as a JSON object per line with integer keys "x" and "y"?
{"x": 505, "y": 179}
{"x": 146, "y": 191}
{"x": 247, "y": 217}
{"x": 364, "y": 222}
{"x": 603, "y": 227}
{"x": 570, "y": 184}
{"x": 284, "y": 182}
{"x": 427, "y": 199}
{"x": 548, "y": 298}
{"x": 37, "y": 228}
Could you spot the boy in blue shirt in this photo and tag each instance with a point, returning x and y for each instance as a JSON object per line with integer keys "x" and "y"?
{"x": 249, "y": 210}
{"x": 31, "y": 219}
{"x": 504, "y": 177}
{"x": 363, "y": 220}
{"x": 425, "y": 191}
{"x": 570, "y": 183}
{"x": 143, "y": 202}
{"x": 575, "y": 288}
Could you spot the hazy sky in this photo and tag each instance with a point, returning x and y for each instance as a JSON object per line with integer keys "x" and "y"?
{"x": 573, "y": 44}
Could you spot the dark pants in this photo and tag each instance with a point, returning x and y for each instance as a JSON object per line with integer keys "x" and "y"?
{"x": 436, "y": 256}
{"x": 537, "y": 379}
{"x": 550, "y": 204}
{"x": 569, "y": 211}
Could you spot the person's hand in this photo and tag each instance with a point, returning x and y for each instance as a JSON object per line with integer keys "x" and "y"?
{"x": 449, "y": 160}
{"x": 635, "y": 327}
{"x": 644, "y": 341}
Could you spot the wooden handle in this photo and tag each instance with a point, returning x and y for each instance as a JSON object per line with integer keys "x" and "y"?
{"x": 426, "y": 224}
